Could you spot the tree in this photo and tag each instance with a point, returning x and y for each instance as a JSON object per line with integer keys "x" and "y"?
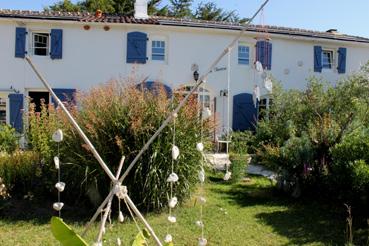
{"x": 210, "y": 11}
{"x": 180, "y": 8}
{"x": 176, "y": 8}
{"x": 125, "y": 7}
{"x": 65, "y": 5}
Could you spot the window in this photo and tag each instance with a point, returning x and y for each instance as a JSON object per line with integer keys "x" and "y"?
{"x": 40, "y": 44}
{"x": 202, "y": 94}
{"x": 158, "y": 50}
{"x": 327, "y": 59}
{"x": 243, "y": 54}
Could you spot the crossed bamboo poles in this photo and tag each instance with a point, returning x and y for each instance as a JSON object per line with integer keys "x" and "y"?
{"x": 117, "y": 182}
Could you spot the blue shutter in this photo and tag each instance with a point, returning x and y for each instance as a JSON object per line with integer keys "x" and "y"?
{"x": 16, "y": 109}
{"x": 154, "y": 87}
{"x": 65, "y": 95}
{"x": 56, "y": 47}
{"x": 20, "y": 42}
{"x": 260, "y": 52}
{"x": 136, "y": 47}
{"x": 244, "y": 112}
{"x": 318, "y": 59}
{"x": 264, "y": 53}
{"x": 269, "y": 56}
{"x": 341, "y": 68}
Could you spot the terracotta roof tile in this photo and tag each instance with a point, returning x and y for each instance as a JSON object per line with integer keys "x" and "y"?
{"x": 114, "y": 18}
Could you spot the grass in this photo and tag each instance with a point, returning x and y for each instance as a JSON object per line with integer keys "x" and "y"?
{"x": 235, "y": 214}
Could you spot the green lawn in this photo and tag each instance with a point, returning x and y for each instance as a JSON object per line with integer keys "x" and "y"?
{"x": 235, "y": 214}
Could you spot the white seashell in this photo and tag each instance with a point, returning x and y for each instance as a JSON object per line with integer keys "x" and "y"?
{"x": 206, "y": 113}
{"x": 256, "y": 95}
{"x": 175, "y": 115}
{"x": 168, "y": 238}
{"x": 120, "y": 217}
{"x": 60, "y": 186}
{"x": 202, "y": 200}
{"x": 227, "y": 176}
{"x": 202, "y": 175}
{"x": 58, "y": 136}
{"x": 119, "y": 242}
{"x": 200, "y": 147}
{"x": 268, "y": 84}
{"x": 58, "y": 206}
{"x": 172, "y": 219}
{"x": 202, "y": 241}
{"x": 249, "y": 158}
{"x": 259, "y": 66}
{"x": 173, "y": 177}
{"x": 175, "y": 152}
{"x": 199, "y": 223}
{"x": 56, "y": 162}
{"x": 173, "y": 202}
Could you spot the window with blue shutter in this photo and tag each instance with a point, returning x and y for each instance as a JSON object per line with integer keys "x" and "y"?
{"x": 16, "y": 111}
{"x": 67, "y": 96}
{"x": 318, "y": 59}
{"x": 264, "y": 53}
{"x": 342, "y": 53}
{"x": 20, "y": 42}
{"x": 244, "y": 112}
{"x": 56, "y": 44}
{"x": 136, "y": 47}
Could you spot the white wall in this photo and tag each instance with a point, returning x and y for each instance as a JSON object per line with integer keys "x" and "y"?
{"x": 95, "y": 56}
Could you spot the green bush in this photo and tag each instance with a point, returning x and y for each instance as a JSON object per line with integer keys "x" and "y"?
{"x": 238, "y": 166}
{"x": 119, "y": 119}
{"x": 8, "y": 139}
{"x": 21, "y": 172}
{"x": 317, "y": 139}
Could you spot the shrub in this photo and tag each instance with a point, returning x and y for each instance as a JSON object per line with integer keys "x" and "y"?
{"x": 119, "y": 119}
{"x": 8, "y": 139}
{"x": 21, "y": 172}
{"x": 318, "y": 138}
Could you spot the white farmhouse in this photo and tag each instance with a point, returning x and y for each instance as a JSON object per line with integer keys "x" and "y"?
{"x": 77, "y": 51}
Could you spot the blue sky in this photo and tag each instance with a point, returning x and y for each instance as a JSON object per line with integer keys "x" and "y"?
{"x": 350, "y": 17}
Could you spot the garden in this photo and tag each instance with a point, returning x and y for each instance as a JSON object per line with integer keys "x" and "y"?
{"x": 315, "y": 140}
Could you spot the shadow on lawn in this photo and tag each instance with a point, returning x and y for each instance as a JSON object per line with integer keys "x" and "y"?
{"x": 39, "y": 212}
{"x": 302, "y": 222}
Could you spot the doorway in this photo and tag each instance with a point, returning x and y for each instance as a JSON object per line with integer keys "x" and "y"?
{"x": 37, "y": 97}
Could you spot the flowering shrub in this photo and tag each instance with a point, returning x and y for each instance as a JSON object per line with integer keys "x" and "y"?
{"x": 119, "y": 119}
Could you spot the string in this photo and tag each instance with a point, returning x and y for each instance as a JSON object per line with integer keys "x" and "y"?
{"x": 133, "y": 217}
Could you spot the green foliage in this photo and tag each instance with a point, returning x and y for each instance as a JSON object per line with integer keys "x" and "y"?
{"x": 8, "y": 139}
{"x": 210, "y": 11}
{"x": 175, "y": 8}
{"x": 119, "y": 119}
{"x": 21, "y": 172}
{"x": 241, "y": 142}
{"x": 64, "y": 234}
{"x": 238, "y": 166}
{"x": 141, "y": 238}
{"x": 319, "y": 137}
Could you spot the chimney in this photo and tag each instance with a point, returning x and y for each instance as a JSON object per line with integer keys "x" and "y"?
{"x": 141, "y": 9}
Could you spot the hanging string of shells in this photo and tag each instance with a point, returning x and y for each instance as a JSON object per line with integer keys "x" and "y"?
{"x": 60, "y": 186}
{"x": 172, "y": 179}
{"x": 203, "y": 114}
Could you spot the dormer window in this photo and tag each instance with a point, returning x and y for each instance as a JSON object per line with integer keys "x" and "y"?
{"x": 40, "y": 44}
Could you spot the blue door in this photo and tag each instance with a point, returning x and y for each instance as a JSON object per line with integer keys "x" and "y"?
{"x": 244, "y": 112}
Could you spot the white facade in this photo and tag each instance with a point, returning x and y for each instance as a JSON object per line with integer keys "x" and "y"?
{"x": 94, "y": 56}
